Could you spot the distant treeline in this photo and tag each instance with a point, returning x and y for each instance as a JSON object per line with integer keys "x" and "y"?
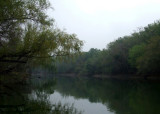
{"x": 138, "y": 53}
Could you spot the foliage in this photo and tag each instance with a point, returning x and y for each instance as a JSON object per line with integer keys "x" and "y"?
{"x": 134, "y": 54}
{"x": 84, "y": 64}
{"x": 149, "y": 62}
{"x": 26, "y": 32}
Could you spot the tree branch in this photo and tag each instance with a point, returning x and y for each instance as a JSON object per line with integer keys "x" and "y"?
{"x": 21, "y": 18}
{"x": 13, "y": 61}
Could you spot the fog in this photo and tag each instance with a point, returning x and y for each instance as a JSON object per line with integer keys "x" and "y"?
{"x": 99, "y": 22}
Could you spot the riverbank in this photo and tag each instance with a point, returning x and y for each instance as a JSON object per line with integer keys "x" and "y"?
{"x": 123, "y": 77}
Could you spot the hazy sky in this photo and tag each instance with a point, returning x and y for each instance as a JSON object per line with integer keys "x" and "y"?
{"x": 98, "y": 22}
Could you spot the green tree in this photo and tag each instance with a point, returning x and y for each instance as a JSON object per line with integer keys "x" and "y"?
{"x": 26, "y": 32}
{"x": 137, "y": 53}
{"x": 149, "y": 62}
{"x": 134, "y": 53}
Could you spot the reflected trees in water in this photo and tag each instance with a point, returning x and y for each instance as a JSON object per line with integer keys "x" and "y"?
{"x": 31, "y": 97}
{"x": 120, "y": 96}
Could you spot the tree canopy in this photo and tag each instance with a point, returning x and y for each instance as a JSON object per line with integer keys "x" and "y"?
{"x": 136, "y": 54}
{"x": 26, "y": 32}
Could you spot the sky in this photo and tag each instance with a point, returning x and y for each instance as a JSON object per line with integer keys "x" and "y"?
{"x": 99, "y": 22}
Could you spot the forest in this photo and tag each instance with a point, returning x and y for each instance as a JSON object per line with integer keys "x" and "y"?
{"x": 36, "y": 57}
{"x": 136, "y": 54}
{"x": 30, "y": 41}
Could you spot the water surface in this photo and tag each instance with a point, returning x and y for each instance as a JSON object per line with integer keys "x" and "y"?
{"x": 103, "y": 96}
{"x": 48, "y": 94}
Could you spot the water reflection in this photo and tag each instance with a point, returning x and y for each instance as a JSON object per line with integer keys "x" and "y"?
{"x": 84, "y": 105}
{"x": 63, "y": 95}
{"x": 119, "y": 96}
{"x": 30, "y": 97}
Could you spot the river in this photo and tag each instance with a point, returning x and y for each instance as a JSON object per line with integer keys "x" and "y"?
{"x": 62, "y": 95}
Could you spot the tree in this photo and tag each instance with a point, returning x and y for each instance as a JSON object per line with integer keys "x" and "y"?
{"x": 149, "y": 62}
{"x": 134, "y": 53}
{"x": 26, "y": 32}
